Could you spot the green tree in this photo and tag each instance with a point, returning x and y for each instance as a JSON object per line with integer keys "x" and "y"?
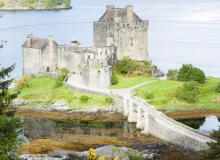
{"x": 172, "y": 74}
{"x": 217, "y": 89}
{"x": 189, "y": 92}
{"x": 190, "y": 73}
{"x": 125, "y": 66}
{"x": 114, "y": 79}
{"x": 9, "y": 124}
{"x": 214, "y": 151}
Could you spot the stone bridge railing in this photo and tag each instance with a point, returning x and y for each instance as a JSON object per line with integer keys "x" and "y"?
{"x": 153, "y": 122}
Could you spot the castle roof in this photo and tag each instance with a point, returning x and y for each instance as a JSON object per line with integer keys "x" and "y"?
{"x": 37, "y": 43}
{"x": 112, "y": 13}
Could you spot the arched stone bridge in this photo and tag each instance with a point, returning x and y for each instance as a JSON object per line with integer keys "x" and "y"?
{"x": 149, "y": 120}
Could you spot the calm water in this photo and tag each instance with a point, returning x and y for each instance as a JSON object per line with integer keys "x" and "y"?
{"x": 204, "y": 124}
{"x": 181, "y": 31}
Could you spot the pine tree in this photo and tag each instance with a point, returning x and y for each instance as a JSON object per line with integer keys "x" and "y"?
{"x": 9, "y": 124}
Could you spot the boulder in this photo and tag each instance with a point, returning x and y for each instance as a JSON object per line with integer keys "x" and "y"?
{"x": 19, "y": 102}
{"x": 60, "y": 105}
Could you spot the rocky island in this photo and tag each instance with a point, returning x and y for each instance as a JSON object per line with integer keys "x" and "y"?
{"x": 34, "y": 4}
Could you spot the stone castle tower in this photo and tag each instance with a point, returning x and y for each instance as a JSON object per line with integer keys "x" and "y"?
{"x": 123, "y": 29}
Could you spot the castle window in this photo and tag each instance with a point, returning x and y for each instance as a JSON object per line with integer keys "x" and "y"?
{"x": 132, "y": 42}
{"x": 48, "y": 69}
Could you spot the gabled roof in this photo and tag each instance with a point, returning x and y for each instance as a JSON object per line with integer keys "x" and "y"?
{"x": 109, "y": 15}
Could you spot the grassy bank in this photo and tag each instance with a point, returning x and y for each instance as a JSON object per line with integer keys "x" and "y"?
{"x": 161, "y": 94}
{"x": 43, "y": 90}
{"x": 34, "y": 4}
{"x": 131, "y": 80}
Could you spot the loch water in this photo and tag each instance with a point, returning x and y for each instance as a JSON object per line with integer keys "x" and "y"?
{"x": 203, "y": 124}
{"x": 98, "y": 133}
{"x": 180, "y": 31}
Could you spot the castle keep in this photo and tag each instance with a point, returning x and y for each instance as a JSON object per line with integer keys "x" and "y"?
{"x": 118, "y": 33}
{"x": 122, "y": 28}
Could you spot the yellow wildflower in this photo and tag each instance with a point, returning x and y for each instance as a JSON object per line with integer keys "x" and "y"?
{"x": 116, "y": 158}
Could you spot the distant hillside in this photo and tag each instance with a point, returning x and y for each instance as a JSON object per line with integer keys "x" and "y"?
{"x": 34, "y": 4}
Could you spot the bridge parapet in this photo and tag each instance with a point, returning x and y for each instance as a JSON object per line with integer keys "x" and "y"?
{"x": 153, "y": 122}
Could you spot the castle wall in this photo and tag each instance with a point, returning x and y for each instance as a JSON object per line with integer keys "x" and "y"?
{"x": 45, "y": 60}
{"x": 31, "y": 61}
{"x": 130, "y": 39}
{"x": 69, "y": 59}
{"x": 99, "y": 34}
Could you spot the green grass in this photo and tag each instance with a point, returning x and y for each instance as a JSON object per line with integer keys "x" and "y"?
{"x": 164, "y": 95}
{"x": 42, "y": 90}
{"x": 129, "y": 81}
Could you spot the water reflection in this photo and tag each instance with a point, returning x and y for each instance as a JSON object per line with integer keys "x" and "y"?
{"x": 211, "y": 123}
{"x": 204, "y": 124}
{"x": 44, "y": 128}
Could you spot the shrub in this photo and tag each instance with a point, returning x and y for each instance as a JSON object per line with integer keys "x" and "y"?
{"x": 23, "y": 82}
{"x": 217, "y": 89}
{"x": 189, "y": 92}
{"x": 125, "y": 66}
{"x": 62, "y": 73}
{"x": 84, "y": 98}
{"x": 149, "y": 96}
{"x": 58, "y": 83}
{"x": 191, "y": 73}
{"x": 109, "y": 100}
{"x": 172, "y": 74}
{"x": 114, "y": 80}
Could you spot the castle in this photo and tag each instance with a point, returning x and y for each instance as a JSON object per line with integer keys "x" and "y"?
{"x": 118, "y": 33}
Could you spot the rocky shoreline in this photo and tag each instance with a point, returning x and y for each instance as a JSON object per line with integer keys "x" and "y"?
{"x": 106, "y": 151}
{"x": 62, "y": 106}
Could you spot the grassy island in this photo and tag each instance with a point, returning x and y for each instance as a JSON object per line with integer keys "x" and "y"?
{"x": 162, "y": 95}
{"x": 44, "y": 90}
{"x": 34, "y": 4}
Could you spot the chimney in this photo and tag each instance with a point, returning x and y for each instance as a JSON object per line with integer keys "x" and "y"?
{"x": 50, "y": 40}
{"x": 75, "y": 43}
{"x": 50, "y": 47}
{"x": 110, "y": 7}
{"x": 129, "y": 13}
{"x": 29, "y": 39}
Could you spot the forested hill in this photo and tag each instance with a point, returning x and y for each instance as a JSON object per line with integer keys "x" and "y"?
{"x": 34, "y": 4}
